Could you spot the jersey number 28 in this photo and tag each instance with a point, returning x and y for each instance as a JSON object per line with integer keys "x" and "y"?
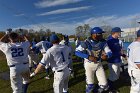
{"x": 16, "y": 52}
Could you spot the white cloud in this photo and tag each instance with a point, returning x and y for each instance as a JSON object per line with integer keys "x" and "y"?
{"x": 69, "y": 28}
{"x": 49, "y": 3}
{"x": 60, "y": 11}
{"x": 121, "y": 21}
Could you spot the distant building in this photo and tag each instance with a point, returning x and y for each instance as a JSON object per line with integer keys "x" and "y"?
{"x": 129, "y": 34}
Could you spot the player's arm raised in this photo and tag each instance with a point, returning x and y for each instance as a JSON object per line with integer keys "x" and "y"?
{"x": 4, "y": 38}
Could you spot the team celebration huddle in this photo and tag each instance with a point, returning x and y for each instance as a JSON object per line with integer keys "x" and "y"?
{"x": 26, "y": 58}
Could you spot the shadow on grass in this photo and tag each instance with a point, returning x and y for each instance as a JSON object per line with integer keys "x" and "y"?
{"x": 5, "y": 75}
{"x": 105, "y": 66}
{"x": 124, "y": 80}
{"x": 76, "y": 80}
{"x": 44, "y": 91}
{"x": 79, "y": 74}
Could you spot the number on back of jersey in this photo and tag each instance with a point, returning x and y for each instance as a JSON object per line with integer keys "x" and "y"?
{"x": 17, "y": 52}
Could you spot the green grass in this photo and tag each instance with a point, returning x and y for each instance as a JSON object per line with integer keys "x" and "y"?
{"x": 76, "y": 85}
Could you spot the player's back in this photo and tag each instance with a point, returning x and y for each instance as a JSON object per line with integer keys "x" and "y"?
{"x": 60, "y": 55}
{"x": 16, "y": 53}
{"x": 44, "y": 46}
{"x": 132, "y": 51}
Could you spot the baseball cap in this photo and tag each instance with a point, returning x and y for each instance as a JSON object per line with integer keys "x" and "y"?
{"x": 53, "y": 38}
{"x": 116, "y": 29}
{"x": 138, "y": 33}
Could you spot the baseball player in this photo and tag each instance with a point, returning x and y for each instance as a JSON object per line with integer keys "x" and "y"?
{"x": 33, "y": 55}
{"x": 57, "y": 57}
{"x": 93, "y": 50}
{"x": 17, "y": 59}
{"x": 115, "y": 61}
{"x": 44, "y": 45}
{"x": 66, "y": 42}
{"x": 133, "y": 52}
{"x": 123, "y": 59}
{"x": 77, "y": 42}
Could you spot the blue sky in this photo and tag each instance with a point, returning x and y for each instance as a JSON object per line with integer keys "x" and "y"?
{"x": 65, "y": 15}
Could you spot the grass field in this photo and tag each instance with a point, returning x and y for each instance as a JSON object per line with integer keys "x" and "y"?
{"x": 40, "y": 85}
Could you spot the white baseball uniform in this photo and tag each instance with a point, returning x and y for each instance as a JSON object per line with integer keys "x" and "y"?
{"x": 33, "y": 58}
{"x": 43, "y": 46}
{"x": 133, "y": 53}
{"x": 17, "y": 60}
{"x": 57, "y": 57}
{"x": 91, "y": 68}
{"x": 33, "y": 55}
{"x": 70, "y": 56}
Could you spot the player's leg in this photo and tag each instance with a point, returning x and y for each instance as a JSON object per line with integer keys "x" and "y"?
{"x": 30, "y": 63}
{"x": 135, "y": 87}
{"x": 101, "y": 77}
{"x": 71, "y": 68}
{"x": 35, "y": 60}
{"x": 58, "y": 82}
{"x": 135, "y": 81}
{"x": 89, "y": 72}
{"x": 66, "y": 80}
{"x": 26, "y": 78}
{"x": 16, "y": 80}
{"x": 47, "y": 68}
{"x": 114, "y": 69}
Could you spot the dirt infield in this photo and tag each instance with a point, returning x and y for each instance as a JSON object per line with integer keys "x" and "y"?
{"x": 5, "y": 75}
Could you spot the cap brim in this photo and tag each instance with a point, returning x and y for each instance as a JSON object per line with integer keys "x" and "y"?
{"x": 117, "y": 31}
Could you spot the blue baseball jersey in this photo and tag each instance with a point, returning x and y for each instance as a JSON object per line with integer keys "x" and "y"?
{"x": 115, "y": 47}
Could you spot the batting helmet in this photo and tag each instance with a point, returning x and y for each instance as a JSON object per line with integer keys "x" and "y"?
{"x": 96, "y": 30}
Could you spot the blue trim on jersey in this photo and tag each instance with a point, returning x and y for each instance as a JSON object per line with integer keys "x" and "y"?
{"x": 137, "y": 62}
{"x": 109, "y": 54}
{"x": 42, "y": 63}
{"x": 80, "y": 54}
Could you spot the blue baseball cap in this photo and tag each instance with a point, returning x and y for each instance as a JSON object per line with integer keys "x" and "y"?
{"x": 138, "y": 33}
{"x": 53, "y": 37}
{"x": 116, "y": 29}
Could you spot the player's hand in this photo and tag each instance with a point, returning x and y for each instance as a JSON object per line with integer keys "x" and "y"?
{"x": 32, "y": 75}
{"x": 93, "y": 59}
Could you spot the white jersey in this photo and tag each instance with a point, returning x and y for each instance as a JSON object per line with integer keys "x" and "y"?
{"x": 70, "y": 47}
{"x": 43, "y": 46}
{"x": 16, "y": 53}
{"x": 77, "y": 43}
{"x": 133, "y": 53}
{"x": 57, "y": 57}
